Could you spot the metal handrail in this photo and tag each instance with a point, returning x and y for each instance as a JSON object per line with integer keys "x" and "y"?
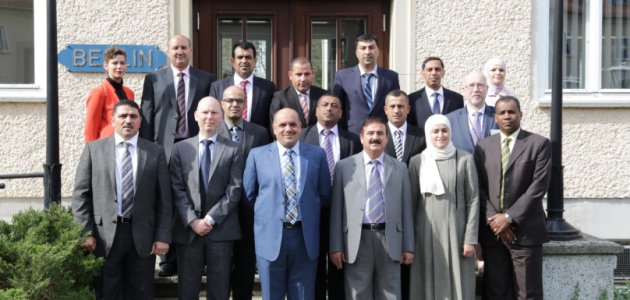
{"x": 19, "y": 176}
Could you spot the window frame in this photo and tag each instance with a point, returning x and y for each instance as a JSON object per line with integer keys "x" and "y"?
{"x": 592, "y": 95}
{"x": 36, "y": 91}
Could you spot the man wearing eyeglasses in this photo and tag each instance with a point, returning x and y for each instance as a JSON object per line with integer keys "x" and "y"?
{"x": 248, "y": 135}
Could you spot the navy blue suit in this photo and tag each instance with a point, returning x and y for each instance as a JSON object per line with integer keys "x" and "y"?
{"x": 460, "y": 127}
{"x": 286, "y": 257}
{"x": 421, "y": 110}
{"x": 349, "y": 90}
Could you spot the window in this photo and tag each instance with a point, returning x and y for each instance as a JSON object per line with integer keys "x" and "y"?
{"x": 596, "y": 52}
{"x": 22, "y": 51}
{"x": 257, "y": 31}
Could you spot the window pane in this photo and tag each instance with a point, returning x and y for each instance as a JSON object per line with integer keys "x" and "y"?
{"x": 16, "y": 42}
{"x": 259, "y": 34}
{"x": 230, "y": 31}
{"x": 350, "y": 30}
{"x": 574, "y": 27}
{"x": 324, "y": 52}
{"x": 616, "y": 44}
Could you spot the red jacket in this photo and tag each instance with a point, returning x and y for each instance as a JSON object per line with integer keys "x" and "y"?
{"x": 100, "y": 102}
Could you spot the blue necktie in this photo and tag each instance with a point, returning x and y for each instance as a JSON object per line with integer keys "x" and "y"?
{"x": 367, "y": 90}
{"x": 290, "y": 188}
{"x": 205, "y": 163}
{"x": 376, "y": 201}
{"x": 436, "y": 104}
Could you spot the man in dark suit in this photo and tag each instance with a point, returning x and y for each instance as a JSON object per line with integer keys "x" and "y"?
{"x": 122, "y": 197}
{"x": 433, "y": 98}
{"x": 169, "y": 100}
{"x": 259, "y": 90}
{"x": 248, "y": 136}
{"x": 362, "y": 88}
{"x": 301, "y": 95}
{"x": 403, "y": 140}
{"x": 287, "y": 182}
{"x": 514, "y": 172}
{"x": 475, "y": 121}
{"x": 206, "y": 175}
{"x": 371, "y": 223}
{"x": 338, "y": 144}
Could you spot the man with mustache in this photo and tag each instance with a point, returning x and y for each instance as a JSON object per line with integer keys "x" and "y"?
{"x": 259, "y": 91}
{"x": 371, "y": 224}
{"x": 362, "y": 88}
{"x": 433, "y": 98}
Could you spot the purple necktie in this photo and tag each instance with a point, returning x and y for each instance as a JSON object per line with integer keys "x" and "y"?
{"x": 330, "y": 157}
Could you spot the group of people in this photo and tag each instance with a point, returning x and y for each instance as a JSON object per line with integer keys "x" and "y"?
{"x": 363, "y": 192}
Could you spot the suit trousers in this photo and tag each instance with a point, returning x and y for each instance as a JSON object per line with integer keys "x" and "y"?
{"x": 513, "y": 272}
{"x": 217, "y": 256}
{"x": 373, "y": 275}
{"x": 292, "y": 273}
{"x": 126, "y": 275}
{"x": 328, "y": 276}
{"x": 244, "y": 260}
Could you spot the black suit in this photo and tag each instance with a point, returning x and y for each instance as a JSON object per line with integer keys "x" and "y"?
{"x": 261, "y": 98}
{"x": 421, "y": 110}
{"x": 289, "y": 98}
{"x": 244, "y": 256}
{"x": 349, "y": 144}
{"x": 415, "y": 143}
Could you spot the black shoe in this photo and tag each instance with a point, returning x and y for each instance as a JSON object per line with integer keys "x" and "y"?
{"x": 167, "y": 270}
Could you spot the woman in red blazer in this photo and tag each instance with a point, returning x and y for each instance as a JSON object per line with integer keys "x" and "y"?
{"x": 102, "y": 98}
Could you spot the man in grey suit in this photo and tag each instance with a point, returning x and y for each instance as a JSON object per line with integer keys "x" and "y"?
{"x": 514, "y": 172}
{"x": 206, "y": 176}
{"x": 169, "y": 100}
{"x": 122, "y": 199}
{"x": 474, "y": 121}
{"x": 247, "y": 135}
{"x": 371, "y": 225}
{"x": 301, "y": 95}
{"x": 404, "y": 140}
{"x": 338, "y": 144}
{"x": 259, "y": 90}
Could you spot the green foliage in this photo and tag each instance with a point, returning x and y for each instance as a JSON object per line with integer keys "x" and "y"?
{"x": 622, "y": 293}
{"x": 603, "y": 295}
{"x": 576, "y": 292}
{"x": 40, "y": 257}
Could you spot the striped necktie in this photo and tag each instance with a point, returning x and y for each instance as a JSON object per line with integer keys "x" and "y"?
{"x": 126, "y": 174}
{"x": 505, "y": 158}
{"x": 181, "y": 106}
{"x": 290, "y": 188}
{"x": 330, "y": 156}
{"x": 375, "y": 209}
{"x": 304, "y": 105}
{"x": 244, "y": 87}
{"x": 367, "y": 90}
{"x": 398, "y": 145}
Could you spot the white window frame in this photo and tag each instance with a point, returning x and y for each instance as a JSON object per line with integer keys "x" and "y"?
{"x": 592, "y": 95}
{"x": 32, "y": 92}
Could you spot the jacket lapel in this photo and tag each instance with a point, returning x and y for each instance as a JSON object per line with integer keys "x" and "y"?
{"x": 219, "y": 148}
{"x": 142, "y": 159}
{"x": 167, "y": 78}
{"x": 111, "y": 163}
{"x": 519, "y": 147}
{"x": 344, "y": 146}
{"x": 303, "y": 168}
{"x": 192, "y": 88}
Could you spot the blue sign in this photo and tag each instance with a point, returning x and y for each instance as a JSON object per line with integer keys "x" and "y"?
{"x": 89, "y": 58}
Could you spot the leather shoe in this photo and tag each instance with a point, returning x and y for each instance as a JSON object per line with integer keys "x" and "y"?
{"x": 167, "y": 270}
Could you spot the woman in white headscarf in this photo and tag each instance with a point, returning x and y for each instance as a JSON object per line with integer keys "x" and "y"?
{"x": 495, "y": 70}
{"x": 446, "y": 211}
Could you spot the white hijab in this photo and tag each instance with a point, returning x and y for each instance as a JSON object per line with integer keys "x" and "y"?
{"x": 430, "y": 180}
{"x": 486, "y": 70}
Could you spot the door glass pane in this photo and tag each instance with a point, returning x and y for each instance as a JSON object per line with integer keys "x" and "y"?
{"x": 258, "y": 32}
{"x": 616, "y": 44}
{"x": 324, "y": 52}
{"x": 350, "y": 30}
{"x": 230, "y": 31}
{"x": 574, "y": 25}
{"x": 16, "y": 42}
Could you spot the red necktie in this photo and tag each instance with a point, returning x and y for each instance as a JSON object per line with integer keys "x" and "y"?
{"x": 244, "y": 87}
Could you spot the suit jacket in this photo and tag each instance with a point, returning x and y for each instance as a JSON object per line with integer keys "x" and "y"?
{"x": 99, "y": 105}
{"x": 460, "y": 127}
{"x": 349, "y": 90}
{"x": 415, "y": 142}
{"x": 252, "y": 136}
{"x": 95, "y": 206}
{"x": 159, "y": 105}
{"x": 289, "y": 98}
{"x": 222, "y": 196}
{"x": 261, "y": 99}
{"x": 421, "y": 110}
{"x": 264, "y": 188}
{"x": 348, "y": 202}
{"x": 349, "y": 143}
{"x": 526, "y": 181}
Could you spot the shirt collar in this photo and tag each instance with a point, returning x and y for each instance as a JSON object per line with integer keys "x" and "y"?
{"x": 300, "y": 93}
{"x": 367, "y": 159}
{"x": 430, "y": 91}
{"x": 212, "y": 138}
{"x": 375, "y": 71}
{"x": 334, "y": 129}
{"x": 470, "y": 109}
{"x": 133, "y": 140}
{"x": 230, "y": 125}
{"x": 176, "y": 71}
{"x": 393, "y": 128}
{"x": 513, "y": 136}
{"x": 238, "y": 79}
{"x": 282, "y": 149}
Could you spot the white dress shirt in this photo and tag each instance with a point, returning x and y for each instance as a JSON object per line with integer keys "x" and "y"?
{"x": 118, "y": 157}
{"x": 431, "y": 99}
{"x": 403, "y": 131}
{"x": 513, "y": 137}
{"x": 335, "y": 140}
{"x": 373, "y": 82}
{"x": 249, "y": 90}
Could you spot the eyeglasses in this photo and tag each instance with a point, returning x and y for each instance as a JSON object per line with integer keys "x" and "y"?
{"x": 234, "y": 100}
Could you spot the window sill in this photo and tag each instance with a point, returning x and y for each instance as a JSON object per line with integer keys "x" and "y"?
{"x": 22, "y": 93}
{"x": 601, "y": 99}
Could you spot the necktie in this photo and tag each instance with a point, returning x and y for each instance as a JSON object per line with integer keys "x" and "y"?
{"x": 367, "y": 90}
{"x": 235, "y": 136}
{"x": 244, "y": 87}
{"x": 398, "y": 145}
{"x": 290, "y": 188}
{"x": 330, "y": 156}
{"x": 376, "y": 202}
{"x": 436, "y": 104}
{"x": 304, "y": 104}
{"x": 126, "y": 174}
{"x": 478, "y": 128}
{"x": 505, "y": 158}
{"x": 181, "y": 106}
{"x": 204, "y": 165}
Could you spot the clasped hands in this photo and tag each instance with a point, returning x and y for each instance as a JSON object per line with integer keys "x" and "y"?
{"x": 501, "y": 228}
{"x": 158, "y": 248}
{"x": 201, "y": 226}
{"x": 338, "y": 258}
